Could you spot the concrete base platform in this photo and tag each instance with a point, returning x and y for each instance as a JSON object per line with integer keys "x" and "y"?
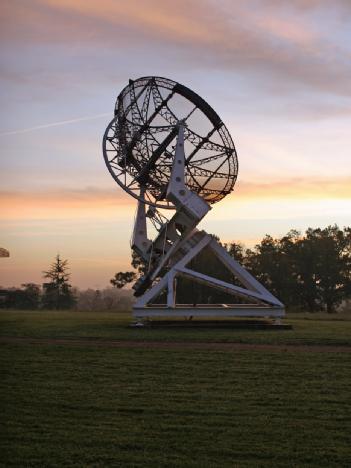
{"x": 215, "y": 324}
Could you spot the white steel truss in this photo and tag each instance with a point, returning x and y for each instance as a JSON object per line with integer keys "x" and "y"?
{"x": 178, "y": 242}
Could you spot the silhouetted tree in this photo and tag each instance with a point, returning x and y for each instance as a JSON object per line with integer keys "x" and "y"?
{"x": 31, "y": 296}
{"x": 309, "y": 272}
{"x": 26, "y": 298}
{"x": 332, "y": 259}
{"x": 57, "y": 293}
{"x": 122, "y": 278}
{"x": 138, "y": 264}
{"x": 236, "y": 250}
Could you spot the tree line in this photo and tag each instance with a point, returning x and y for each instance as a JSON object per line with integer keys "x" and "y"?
{"x": 307, "y": 272}
{"x": 58, "y": 294}
{"x": 55, "y": 293}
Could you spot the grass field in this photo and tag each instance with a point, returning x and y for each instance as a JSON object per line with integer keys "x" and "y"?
{"x": 69, "y": 405}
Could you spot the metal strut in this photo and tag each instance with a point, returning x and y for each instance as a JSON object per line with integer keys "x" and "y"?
{"x": 177, "y": 242}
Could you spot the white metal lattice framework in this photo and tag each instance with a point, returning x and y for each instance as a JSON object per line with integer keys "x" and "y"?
{"x": 152, "y": 114}
{"x": 177, "y": 243}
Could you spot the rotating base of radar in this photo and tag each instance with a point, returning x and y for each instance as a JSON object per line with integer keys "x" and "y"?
{"x": 170, "y": 150}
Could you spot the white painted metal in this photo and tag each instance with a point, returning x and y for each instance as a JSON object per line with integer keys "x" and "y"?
{"x": 147, "y": 297}
{"x": 177, "y": 243}
{"x": 140, "y": 243}
{"x": 243, "y": 275}
{"x": 227, "y": 287}
{"x": 171, "y": 299}
{"x": 213, "y": 312}
{"x": 177, "y": 192}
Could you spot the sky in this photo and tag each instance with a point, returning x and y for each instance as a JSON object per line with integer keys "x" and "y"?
{"x": 277, "y": 72}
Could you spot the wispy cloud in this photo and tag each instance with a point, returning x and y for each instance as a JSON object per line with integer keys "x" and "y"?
{"x": 276, "y": 42}
{"x": 338, "y": 5}
{"x": 54, "y": 124}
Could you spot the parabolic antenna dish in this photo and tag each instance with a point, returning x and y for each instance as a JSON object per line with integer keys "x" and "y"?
{"x": 139, "y": 142}
{"x": 4, "y": 253}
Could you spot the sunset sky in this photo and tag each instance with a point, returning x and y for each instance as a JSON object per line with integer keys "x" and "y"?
{"x": 277, "y": 72}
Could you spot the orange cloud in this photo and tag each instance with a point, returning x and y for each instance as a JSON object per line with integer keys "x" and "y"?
{"x": 296, "y": 189}
{"x": 66, "y": 205}
{"x": 91, "y": 203}
{"x": 153, "y": 14}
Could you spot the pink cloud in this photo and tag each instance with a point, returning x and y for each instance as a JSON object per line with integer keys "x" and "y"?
{"x": 269, "y": 41}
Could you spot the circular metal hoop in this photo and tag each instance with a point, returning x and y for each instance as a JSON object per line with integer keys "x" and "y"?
{"x": 139, "y": 142}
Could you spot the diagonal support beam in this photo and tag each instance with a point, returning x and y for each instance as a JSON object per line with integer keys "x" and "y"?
{"x": 140, "y": 242}
{"x": 243, "y": 275}
{"x": 227, "y": 287}
{"x": 152, "y": 293}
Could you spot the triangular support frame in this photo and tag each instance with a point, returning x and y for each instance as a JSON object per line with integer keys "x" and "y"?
{"x": 263, "y": 304}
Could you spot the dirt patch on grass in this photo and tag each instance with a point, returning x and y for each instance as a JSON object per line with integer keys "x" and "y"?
{"x": 177, "y": 345}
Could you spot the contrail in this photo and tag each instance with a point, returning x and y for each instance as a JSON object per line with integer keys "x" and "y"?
{"x": 54, "y": 124}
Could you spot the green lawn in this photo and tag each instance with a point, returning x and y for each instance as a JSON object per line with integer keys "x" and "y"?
{"x": 307, "y": 329}
{"x": 103, "y": 406}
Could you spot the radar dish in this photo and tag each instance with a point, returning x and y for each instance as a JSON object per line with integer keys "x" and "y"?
{"x": 4, "y": 253}
{"x": 139, "y": 143}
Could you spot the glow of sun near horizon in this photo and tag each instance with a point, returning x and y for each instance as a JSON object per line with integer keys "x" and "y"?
{"x": 278, "y": 74}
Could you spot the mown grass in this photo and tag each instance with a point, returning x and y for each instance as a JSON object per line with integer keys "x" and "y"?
{"x": 98, "y": 406}
{"x": 67, "y": 406}
{"x": 307, "y": 329}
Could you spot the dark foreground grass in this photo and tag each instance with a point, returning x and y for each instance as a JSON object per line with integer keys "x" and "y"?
{"x": 69, "y": 406}
{"x": 309, "y": 329}
{"x": 98, "y": 406}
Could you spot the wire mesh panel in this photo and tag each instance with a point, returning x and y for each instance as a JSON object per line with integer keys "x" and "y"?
{"x": 139, "y": 142}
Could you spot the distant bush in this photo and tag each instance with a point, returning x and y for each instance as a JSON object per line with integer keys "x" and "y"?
{"x": 105, "y": 299}
{"x": 30, "y": 297}
{"x": 26, "y": 297}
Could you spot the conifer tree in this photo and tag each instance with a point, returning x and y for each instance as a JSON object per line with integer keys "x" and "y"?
{"x": 57, "y": 293}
